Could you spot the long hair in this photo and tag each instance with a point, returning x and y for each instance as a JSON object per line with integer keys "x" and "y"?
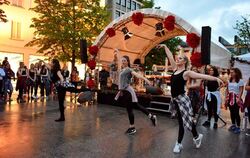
{"x": 216, "y": 72}
{"x": 128, "y": 60}
{"x": 238, "y": 75}
{"x": 56, "y": 65}
{"x": 187, "y": 62}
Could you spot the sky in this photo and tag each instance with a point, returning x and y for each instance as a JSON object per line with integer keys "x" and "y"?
{"x": 220, "y": 15}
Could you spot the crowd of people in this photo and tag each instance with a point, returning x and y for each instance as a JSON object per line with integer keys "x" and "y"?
{"x": 31, "y": 81}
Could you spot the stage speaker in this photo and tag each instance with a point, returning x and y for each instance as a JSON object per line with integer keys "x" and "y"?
{"x": 205, "y": 45}
{"x": 83, "y": 51}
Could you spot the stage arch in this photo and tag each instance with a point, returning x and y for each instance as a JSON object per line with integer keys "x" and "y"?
{"x": 144, "y": 39}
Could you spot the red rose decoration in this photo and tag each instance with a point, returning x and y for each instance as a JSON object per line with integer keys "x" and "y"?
{"x": 193, "y": 40}
{"x": 196, "y": 59}
{"x": 137, "y": 18}
{"x": 93, "y": 50}
{"x": 92, "y": 64}
{"x": 110, "y": 32}
{"x": 169, "y": 22}
{"x": 91, "y": 83}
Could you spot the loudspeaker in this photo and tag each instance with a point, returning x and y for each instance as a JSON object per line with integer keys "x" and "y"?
{"x": 83, "y": 51}
{"x": 205, "y": 45}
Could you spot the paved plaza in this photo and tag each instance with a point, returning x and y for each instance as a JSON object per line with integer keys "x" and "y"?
{"x": 97, "y": 131}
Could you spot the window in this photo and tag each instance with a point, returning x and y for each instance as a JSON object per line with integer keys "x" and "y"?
{"x": 138, "y": 6}
{"x": 15, "y": 30}
{"x": 129, "y": 4}
{"x": 133, "y": 5}
{"x": 18, "y": 3}
{"x": 117, "y": 14}
{"x": 118, "y": 2}
{"x": 123, "y": 2}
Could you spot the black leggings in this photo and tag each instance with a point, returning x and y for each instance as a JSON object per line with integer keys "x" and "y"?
{"x": 181, "y": 126}
{"x": 235, "y": 114}
{"x": 126, "y": 99}
{"x": 212, "y": 108}
{"x": 61, "y": 97}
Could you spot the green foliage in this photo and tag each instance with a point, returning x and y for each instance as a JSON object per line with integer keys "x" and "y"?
{"x": 158, "y": 57}
{"x": 147, "y": 3}
{"x": 60, "y": 26}
{"x": 3, "y": 17}
{"x": 243, "y": 30}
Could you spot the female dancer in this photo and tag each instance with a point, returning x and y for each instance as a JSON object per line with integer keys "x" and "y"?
{"x": 235, "y": 87}
{"x": 180, "y": 99}
{"x": 32, "y": 80}
{"x": 247, "y": 103}
{"x": 22, "y": 74}
{"x": 213, "y": 100}
{"x": 57, "y": 79}
{"x": 127, "y": 93}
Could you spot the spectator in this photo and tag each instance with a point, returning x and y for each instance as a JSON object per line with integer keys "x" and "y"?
{"x": 22, "y": 74}
{"x": 8, "y": 88}
{"x": 103, "y": 77}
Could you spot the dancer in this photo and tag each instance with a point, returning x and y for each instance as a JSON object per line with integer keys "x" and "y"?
{"x": 247, "y": 103}
{"x": 57, "y": 79}
{"x": 31, "y": 80}
{"x": 180, "y": 99}
{"x": 235, "y": 87}
{"x": 22, "y": 74}
{"x": 127, "y": 93}
{"x": 213, "y": 98}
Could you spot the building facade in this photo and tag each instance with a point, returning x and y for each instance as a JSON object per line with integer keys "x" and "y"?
{"x": 120, "y": 7}
{"x": 15, "y": 33}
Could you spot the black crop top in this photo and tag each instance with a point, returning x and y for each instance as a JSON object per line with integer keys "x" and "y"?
{"x": 177, "y": 84}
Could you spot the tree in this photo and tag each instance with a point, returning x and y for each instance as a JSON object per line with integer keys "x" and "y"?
{"x": 60, "y": 26}
{"x": 3, "y": 17}
{"x": 243, "y": 30}
{"x": 158, "y": 57}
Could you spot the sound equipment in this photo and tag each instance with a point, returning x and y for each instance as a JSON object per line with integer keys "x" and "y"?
{"x": 83, "y": 51}
{"x": 205, "y": 45}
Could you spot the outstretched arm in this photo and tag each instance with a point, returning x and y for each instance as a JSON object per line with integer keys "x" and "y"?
{"x": 141, "y": 77}
{"x": 194, "y": 75}
{"x": 47, "y": 65}
{"x": 169, "y": 55}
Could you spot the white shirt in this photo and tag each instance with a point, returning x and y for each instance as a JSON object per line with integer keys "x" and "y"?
{"x": 235, "y": 87}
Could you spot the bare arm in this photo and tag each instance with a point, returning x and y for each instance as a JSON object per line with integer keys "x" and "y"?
{"x": 194, "y": 75}
{"x": 118, "y": 55}
{"x": 59, "y": 74}
{"x": 247, "y": 87}
{"x": 169, "y": 55}
{"x": 141, "y": 77}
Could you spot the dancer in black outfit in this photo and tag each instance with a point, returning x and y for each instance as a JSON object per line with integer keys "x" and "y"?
{"x": 180, "y": 99}
{"x": 57, "y": 79}
{"x": 212, "y": 98}
{"x": 127, "y": 93}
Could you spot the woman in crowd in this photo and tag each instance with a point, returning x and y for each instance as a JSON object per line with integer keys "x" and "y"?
{"x": 45, "y": 81}
{"x": 127, "y": 93}
{"x": 38, "y": 67}
{"x": 180, "y": 99}
{"x": 194, "y": 86}
{"x": 8, "y": 85}
{"x": 235, "y": 87}
{"x": 74, "y": 77}
{"x": 31, "y": 80}
{"x": 22, "y": 75}
{"x": 57, "y": 79}
{"x": 247, "y": 102}
{"x": 213, "y": 98}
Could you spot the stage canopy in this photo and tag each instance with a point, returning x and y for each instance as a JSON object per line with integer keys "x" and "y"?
{"x": 144, "y": 39}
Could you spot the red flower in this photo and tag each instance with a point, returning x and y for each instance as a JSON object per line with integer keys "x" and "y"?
{"x": 93, "y": 50}
{"x": 110, "y": 31}
{"x": 169, "y": 22}
{"x": 137, "y": 18}
{"x": 196, "y": 59}
{"x": 91, "y": 83}
{"x": 92, "y": 64}
{"x": 193, "y": 40}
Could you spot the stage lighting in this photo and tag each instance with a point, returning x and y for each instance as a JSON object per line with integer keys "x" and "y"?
{"x": 126, "y": 33}
{"x": 159, "y": 29}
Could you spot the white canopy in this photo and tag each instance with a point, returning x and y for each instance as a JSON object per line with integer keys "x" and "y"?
{"x": 144, "y": 39}
{"x": 244, "y": 57}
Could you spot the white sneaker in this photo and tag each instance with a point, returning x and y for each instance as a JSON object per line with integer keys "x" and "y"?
{"x": 198, "y": 141}
{"x": 177, "y": 147}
